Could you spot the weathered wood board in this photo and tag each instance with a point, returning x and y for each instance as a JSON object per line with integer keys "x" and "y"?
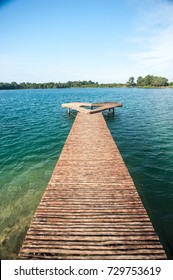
{"x": 91, "y": 209}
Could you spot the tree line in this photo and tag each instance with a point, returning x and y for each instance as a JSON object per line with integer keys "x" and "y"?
{"x": 69, "y": 84}
{"x": 147, "y": 81}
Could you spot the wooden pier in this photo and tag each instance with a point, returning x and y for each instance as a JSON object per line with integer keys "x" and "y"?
{"x": 91, "y": 209}
{"x": 91, "y": 108}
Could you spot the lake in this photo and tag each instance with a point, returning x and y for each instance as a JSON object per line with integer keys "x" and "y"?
{"x": 33, "y": 129}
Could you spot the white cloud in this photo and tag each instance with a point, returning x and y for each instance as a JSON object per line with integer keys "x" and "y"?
{"x": 154, "y": 39}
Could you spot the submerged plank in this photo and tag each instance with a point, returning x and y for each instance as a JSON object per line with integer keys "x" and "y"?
{"x": 91, "y": 209}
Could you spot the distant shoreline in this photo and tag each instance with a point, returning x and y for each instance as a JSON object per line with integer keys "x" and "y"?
{"x": 148, "y": 81}
{"x": 83, "y": 87}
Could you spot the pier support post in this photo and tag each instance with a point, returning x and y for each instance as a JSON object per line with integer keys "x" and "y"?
{"x": 109, "y": 111}
{"x": 68, "y": 110}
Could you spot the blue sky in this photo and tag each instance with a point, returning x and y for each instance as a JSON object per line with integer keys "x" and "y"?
{"x": 99, "y": 40}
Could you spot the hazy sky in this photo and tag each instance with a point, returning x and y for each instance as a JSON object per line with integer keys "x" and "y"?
{"x": 99, "y": 40}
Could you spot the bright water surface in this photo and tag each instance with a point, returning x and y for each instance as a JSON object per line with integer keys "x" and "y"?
{"x": 33, "y": 129}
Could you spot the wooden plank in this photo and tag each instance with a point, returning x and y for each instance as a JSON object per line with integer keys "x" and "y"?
{"x": 91, "y": 208}
{"x": 94, "y": 257}
{"x": 92, "y": 247}
{"x": 79, "y": 238}
{"x": 88, "y": 252}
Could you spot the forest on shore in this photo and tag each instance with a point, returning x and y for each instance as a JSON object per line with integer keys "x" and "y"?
{"x": 148, "y": 81}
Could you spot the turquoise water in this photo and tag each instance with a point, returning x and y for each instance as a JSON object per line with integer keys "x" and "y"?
{"x": 33, "y": 129}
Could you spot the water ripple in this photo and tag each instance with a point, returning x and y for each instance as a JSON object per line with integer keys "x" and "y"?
{"x": 33, "y": 129}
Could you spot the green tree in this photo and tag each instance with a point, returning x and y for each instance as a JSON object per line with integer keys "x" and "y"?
{"x": 131, "y": 82}
{"x": 140, "y": 81}
{"x": 14, "y": 85}
{"x": 148, "y": 80}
